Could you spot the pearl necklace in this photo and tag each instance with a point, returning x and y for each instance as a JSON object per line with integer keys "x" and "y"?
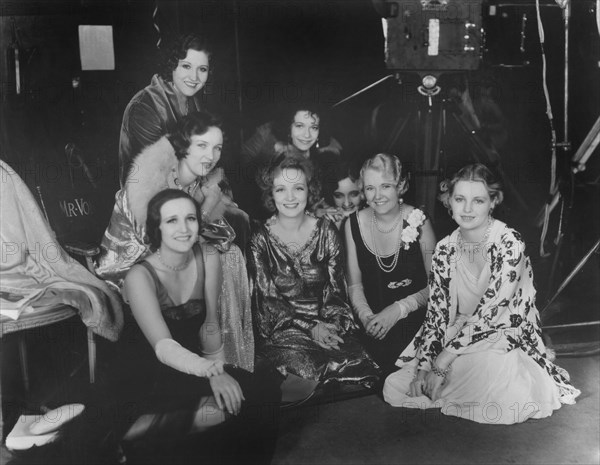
{"x": 394, "y": 225}
{"x": 174, "y": 268}
{"x": 474, "y": 248}
{"x": 378, "y": 257}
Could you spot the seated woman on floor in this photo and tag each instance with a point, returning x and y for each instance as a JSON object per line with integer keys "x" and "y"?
{"x": 304, "y": 324}
{"x": 184, "y": 161}
{"x": 173, "y": 294}
{"x": 388, "y": 248}
{"x": 480, "y": 354}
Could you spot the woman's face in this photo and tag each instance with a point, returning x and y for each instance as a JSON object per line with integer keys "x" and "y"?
{"x": 304, "y": 130}
{"x": 178, "y": 225}
{"x": 191, "y": 73}
{"x": 471, "y": 204}
{"x": 204, "y": 152}
{"x": 381, "y": 190}
{"x": 347, "y": 196}
{"x": 290, "y": 192}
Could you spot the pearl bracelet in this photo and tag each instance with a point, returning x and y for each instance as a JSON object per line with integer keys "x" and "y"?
{"x": 439, "y": 372}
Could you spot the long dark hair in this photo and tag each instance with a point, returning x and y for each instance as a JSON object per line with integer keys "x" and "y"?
{"x": 153, "y": 219}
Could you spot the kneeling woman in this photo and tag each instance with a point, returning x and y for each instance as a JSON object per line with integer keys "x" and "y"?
{"x": 174, "y": 294}
{"x": 304, "y": 323}
{"x": 480, "y": 354}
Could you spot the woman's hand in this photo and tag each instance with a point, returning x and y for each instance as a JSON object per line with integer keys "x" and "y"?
{"x": 382, "y": 322}
{"x": 325, "y": 335}
{"x": 227, "y": 392}
{"x": 433, "y": 382}
{"x": 433, "y": 385}
{"x": 418, "y": 384}
{"x": 334, "y": 214}
{"x": 215, "y": 370}
{"x": 212, "y": 198}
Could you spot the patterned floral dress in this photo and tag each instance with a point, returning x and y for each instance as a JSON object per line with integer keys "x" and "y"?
{"x": 292, "y": 290}
{"x": 502, "y": 373}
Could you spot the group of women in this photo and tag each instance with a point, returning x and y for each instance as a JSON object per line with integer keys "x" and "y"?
{"x": 332, "y": 288}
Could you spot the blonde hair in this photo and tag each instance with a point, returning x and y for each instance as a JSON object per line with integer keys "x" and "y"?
{"x": 386, "y": 164}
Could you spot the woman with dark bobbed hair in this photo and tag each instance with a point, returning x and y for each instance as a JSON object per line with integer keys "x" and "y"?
{"x": 186, "y": 160}
{"x": 155, "y": 110}
{"x": 304, "y": 324}
{"x": 185, "y": 386}
{"x": 480, "y": 354}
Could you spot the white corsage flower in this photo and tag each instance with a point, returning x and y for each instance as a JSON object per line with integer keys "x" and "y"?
{"x": 411, "y": 232}
{"x": 416, "y": 218}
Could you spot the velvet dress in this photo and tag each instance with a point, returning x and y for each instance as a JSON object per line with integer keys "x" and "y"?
{"x": 293, "y": 289}
{"x": 172, "y": 397}
{"x": 382, "y": 289}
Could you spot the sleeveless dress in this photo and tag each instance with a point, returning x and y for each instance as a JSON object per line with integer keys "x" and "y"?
{"x": 161, "y": 390}
{"x": 382, "y": 289}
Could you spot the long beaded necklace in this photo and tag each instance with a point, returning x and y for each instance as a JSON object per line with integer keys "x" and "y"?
{"x": 474, "y": 248}
{"x": 378, "y": 257}
{"x": 174, "y": 268}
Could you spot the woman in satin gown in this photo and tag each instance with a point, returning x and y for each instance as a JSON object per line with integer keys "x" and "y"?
{"x": 304, "y": 326}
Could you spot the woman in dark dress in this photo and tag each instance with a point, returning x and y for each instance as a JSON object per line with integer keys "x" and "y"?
{"x": 187, "y": 387}
{"x": 388, "y": 248}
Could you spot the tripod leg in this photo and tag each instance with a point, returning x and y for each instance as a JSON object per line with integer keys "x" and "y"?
{"x": 573, "y": 273}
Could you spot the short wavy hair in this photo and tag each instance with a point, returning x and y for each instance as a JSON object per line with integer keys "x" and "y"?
{"x": 153, "y": 219}
{"x": 178, "y": 49}
{"x": 266, "y": 177}
{"x": 473, "y": 172}
{"x": 193, "y": 124}
{"x": 387, "y": 164}
{"x": 342, "y": 169}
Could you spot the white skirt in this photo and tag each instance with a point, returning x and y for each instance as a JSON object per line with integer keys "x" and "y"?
{"x": 486, "y": 387}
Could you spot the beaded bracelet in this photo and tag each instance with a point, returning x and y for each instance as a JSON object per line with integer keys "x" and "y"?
{"x": 439, "y": 372}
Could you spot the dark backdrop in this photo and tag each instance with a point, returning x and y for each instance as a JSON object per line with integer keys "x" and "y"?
{"x": 269, "y": 52}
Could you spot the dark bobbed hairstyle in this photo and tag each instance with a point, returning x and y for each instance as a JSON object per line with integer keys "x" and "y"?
{"x": 178, "y": 49}
{"x": 473, "y": 172}
{"x": 387, "y": 164}
{"x": 193, "y": 124}
{"x": 283, "y": 123}
{"x": 266, "y": 177}
{"x": 343, "y": 169}
{"x": 153, "y": 235}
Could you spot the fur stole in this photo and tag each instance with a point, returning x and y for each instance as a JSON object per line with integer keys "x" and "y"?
{"x": 149, "y": 174}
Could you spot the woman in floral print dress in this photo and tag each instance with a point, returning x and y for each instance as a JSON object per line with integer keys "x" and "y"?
{"x": 480, "y": 354}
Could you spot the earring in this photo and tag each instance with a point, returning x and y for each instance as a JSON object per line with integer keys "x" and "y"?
{"x": 400, "y": 200}
{"x": 317, "y": 143}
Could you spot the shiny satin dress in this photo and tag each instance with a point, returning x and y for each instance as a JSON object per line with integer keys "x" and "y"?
{"x": 294, "y": 288}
